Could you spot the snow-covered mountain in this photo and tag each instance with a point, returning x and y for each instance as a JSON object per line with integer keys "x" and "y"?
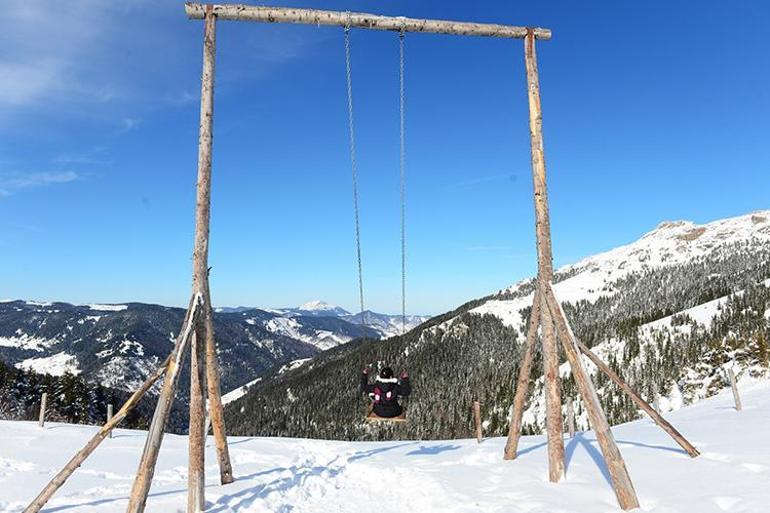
{"x": 119, "y": 345}
{"x": 385, "y": 324}
{"x": 670, "y": 312}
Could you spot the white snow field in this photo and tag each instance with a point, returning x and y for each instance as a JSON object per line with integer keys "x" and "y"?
{"x": 292, "y": 475}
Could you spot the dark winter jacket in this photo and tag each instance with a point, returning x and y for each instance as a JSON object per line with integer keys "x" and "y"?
{"x": 384, "y": 394}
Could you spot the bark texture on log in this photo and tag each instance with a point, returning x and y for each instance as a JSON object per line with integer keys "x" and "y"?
{"x": 522, "y": 383}
{"x": 59, "y": 479}
{"x": 359, "y": 20}
{"x": 552, "y": 389}
{"x": 621, "y": 481}
{"x": 641, "y": 403}
{"x": 141, "y": 487}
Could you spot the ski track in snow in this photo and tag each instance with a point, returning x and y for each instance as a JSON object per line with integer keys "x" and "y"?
{"x": 456, "y": 476}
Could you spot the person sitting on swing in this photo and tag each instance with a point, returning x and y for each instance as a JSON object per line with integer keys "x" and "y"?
{"x": 385, "y": 391}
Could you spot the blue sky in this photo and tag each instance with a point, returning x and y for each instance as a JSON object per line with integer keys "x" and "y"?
{"x": 652, "y": 111}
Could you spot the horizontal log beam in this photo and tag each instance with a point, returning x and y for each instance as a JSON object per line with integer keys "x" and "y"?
{"x": 237, "y": 12}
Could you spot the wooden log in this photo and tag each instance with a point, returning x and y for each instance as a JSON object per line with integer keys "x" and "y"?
{"x": 734, "y": 385}
{"x": 621, "y": 481}
{"x": 109, "y": 417}
{"x": 141, "y": 487}
{"x": 554, "y": 420}
{"x": 477, "y": 419}
{"x": 216, "y": 412}
{"x": 522, "y": 383}
{"x": 641, "y": 403}
{"x": 359, "y": 20}
{"x": 59, "y": 479}
{"x": 43, "y": 404}
{"x": 570, "y": 419}
{"x": 196, "y": 477}
{"x": 552, "y": 388}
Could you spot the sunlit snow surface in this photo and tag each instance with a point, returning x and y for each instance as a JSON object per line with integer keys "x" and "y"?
{"x": 302, "y": 476}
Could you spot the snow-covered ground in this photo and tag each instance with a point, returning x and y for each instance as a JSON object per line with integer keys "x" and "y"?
{"x": 283, "y": 475}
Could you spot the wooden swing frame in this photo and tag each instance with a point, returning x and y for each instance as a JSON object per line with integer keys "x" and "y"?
{"x": 198, "y": 333}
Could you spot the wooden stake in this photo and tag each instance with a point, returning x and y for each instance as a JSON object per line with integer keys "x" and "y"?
{"x": 621, "y": 481}
{"x": 554, "y": 420}
{"x": 734, "y": 385}
{"x": 641, "y": 403}
{"x": 59, "y": 479}
{"x": 570, "y": 419}
{"x": 43, "y": 401}
{"x": 522, "y": 383}
{"x": 477, "y": 418}
{"x": 109, "y": 417}
{"x": 146, "y": 470}
{"x": 359, "y": 20}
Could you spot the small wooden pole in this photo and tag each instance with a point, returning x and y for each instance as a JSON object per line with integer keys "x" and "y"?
{"x": 734, "y": 385}
{"x": 641, "y": 403}
{"x": 522, "y": 383}
{"x": 477, "y": 418}
{"x": 141, "y": 487}
{"x": 109, "y": 417}
{"x": 570, "y": 419}
{"x": 43, "y": 402}
{"x": 621, "y": 481}
{"x": 59, "y": 479}
{"x": 554, "y": 420}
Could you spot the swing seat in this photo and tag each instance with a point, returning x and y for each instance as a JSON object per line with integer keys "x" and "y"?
{"x": 373, "y": 417}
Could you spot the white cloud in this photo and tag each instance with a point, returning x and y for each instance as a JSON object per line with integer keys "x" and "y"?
{"x": 14, "y": 181}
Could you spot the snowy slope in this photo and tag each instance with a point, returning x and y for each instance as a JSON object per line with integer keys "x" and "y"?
{"x": 457, "y": 476}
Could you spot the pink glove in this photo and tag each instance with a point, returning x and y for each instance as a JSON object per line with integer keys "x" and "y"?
{"x": 366, "y": 370}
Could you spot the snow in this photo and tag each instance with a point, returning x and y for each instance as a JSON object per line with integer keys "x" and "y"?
{"x": 25, "y": 341}
{"x": 239, "y": 392}
{"x": 451, "y": 476}
{"x": 318, "y": 306}
{"x": 108, "y": 308}
{"x": 55, "y": 365}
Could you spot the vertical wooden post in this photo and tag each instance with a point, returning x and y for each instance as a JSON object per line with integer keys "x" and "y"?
{"x": 109, "y": 417}
{"x": 554, "y": 421}
{"x": 522, "y": 383}
{"x": 43, "y": 402}
{"x": 196, "y": 479}
{"x": 570, "y": 419}
{"x": 143, "y": 480}
{"x": 621, "y": 481}
{"x": 477, "y": 419}
{"x": 734, "y": 385}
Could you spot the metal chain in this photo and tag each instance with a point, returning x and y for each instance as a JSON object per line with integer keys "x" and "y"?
{"x": 402, "y": 164}
{"x": 354, "y": 170}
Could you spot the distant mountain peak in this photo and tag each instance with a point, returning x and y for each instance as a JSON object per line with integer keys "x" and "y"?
{"x": 317, "y": 305}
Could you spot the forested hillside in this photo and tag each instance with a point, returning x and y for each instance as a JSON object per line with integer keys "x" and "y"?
{"x": 668, "y": 312}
